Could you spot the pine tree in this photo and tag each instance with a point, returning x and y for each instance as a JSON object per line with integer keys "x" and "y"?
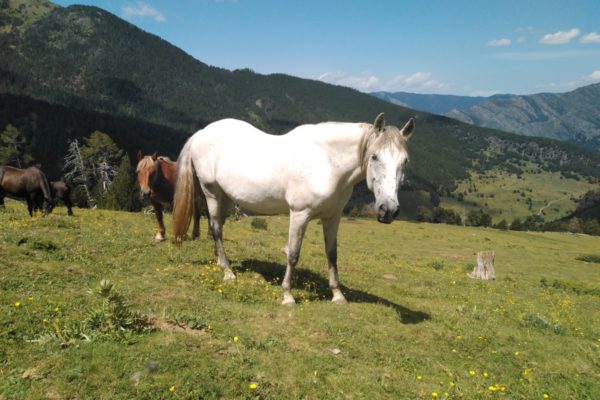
{"x": 101, "y": 157}
{"x": 93, "y": 166}
{"x": 13, "y": 147}
{"x": 75, "y": 171}
{"x": 122, "y": 193}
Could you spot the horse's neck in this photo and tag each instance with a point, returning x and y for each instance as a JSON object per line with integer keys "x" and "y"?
{"x": 165, "y": 173}
{"x": 343, "y": 145}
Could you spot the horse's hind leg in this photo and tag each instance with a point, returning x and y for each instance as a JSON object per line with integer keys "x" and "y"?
{"x": 298, "y": 222}
{"x": 217, "y": 212}
{"x": 69, "y": 205}
{"x": 197, "y": 215}
{"x": 330, "y": 230}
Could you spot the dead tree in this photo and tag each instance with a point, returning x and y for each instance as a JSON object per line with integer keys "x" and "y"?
{"x": 485, "y": 266}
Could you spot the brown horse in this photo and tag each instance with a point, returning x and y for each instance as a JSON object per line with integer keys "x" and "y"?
{"x": 60, "y": 191}
{"x": 27, "y": 184}
{"x": 156, "y": 177}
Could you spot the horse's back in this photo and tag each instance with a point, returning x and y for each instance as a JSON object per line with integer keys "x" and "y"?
{"x": 268, "y": 173}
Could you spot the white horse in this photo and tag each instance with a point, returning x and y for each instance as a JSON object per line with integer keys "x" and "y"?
{"x": 308, "y": 172}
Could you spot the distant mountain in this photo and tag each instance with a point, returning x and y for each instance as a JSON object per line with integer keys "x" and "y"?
{"x": 432, "y": 103}
{"x": 573, "y": 116}
{"x": 65, "y": 72}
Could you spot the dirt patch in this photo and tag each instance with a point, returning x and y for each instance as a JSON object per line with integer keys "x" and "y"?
{"x": 170, "y": 326}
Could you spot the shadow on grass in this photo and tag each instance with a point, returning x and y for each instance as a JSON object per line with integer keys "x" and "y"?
{"x": 318, "y": 284}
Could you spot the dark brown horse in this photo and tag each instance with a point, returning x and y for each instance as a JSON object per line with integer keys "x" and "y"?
{"x": 60, "y": 191}
{"x": 156, "y": 178}
{"x": 27, "y": 184}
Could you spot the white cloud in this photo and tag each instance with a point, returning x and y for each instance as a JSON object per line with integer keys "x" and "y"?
{"x": 367, "y": 82}
{"x": 545, "y": 55}
{"x": 142, "y": 10}
{"x": 364, "y": 82}
{"x": 499, "y": 42}
{"x": 560, "y": 37}
{"x": 570, "y": 85}
{"x": 594, "y": 76}
{"x": 592, "y": 37}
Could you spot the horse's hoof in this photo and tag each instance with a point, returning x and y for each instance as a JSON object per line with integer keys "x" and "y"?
{"x": 159, "y": 238}
{"x": 339, "y": 300}
{"x": 288, "y": 300}
{"x": 229, "y": 277}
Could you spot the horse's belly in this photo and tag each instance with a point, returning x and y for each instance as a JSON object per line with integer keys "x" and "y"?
{"x": 267, "y": 207}
{"x": 265, "y": 201}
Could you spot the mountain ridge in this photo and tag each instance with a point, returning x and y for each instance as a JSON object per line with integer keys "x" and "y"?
{"x": 572, "y": 116}
{"x": 439, "y": 104}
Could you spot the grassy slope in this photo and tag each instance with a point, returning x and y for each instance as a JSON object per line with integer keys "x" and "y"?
{"x": 503, "y": 194}
{"x": 413, "y": 313}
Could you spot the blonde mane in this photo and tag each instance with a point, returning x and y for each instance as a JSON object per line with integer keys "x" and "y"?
{"x": 146, "y": 162}
{"x": 372, "y": 142}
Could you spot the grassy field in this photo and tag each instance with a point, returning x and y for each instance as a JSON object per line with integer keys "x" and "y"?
{"x": 506, "y": 196}
{"x": 416, "y": 326}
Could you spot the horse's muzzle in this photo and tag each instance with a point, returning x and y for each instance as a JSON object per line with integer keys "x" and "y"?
{"x": 144, "y": 193}
{"x": 386, "y": 215}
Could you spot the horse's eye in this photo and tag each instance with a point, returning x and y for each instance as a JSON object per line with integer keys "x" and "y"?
{"x": 374, "y": 157}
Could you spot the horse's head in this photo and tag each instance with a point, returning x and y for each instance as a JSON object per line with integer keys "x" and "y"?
{"x": 146, "y": 172}
{"x": 384, "y": 157}
{"x": 49, "y": 206}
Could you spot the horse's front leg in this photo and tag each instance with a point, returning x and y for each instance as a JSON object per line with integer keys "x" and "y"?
{"x": 158, "y": 212}
{"x": 31, "y": 205}
{"x": 330, "y": 230}
{"x": 298, "y": 223}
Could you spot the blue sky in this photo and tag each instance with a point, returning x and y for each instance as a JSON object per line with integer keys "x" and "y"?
{"x": 463, "y": 47}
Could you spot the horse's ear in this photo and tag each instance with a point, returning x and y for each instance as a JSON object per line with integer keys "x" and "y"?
{"x": 379, "y": 123}
{"x": 140, "y": 155}
{"x": 408, "y": 128}
{"x": 154, "y": 156}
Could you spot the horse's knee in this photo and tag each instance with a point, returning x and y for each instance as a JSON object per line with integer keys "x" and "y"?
{"x": 293, "y": 257}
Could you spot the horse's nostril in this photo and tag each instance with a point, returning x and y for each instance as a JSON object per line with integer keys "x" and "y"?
{"x": 396, "y": 212}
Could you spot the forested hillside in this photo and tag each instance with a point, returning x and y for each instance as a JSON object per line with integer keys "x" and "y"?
{"x": 66, "y": 72}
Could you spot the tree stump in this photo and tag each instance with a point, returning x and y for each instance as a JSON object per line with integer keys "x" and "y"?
{"x": 485, "y": 266}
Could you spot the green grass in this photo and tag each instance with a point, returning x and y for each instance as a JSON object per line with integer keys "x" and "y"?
{"x": 507, "y": 196}
{"x": 415, "y": 325}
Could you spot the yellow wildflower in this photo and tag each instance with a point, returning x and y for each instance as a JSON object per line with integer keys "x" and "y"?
{"x": 471, "y": 372}
{"x": 485, "y": 374}
{"x": 546, "y": 396}
{"x": 17, "y": 304}
{"x": 235, "y": 339}
{"x": 419, "y": 377}
{"x": 517, "y": 353}
{"x": 252, "y": 386}
{"x": 172, "y": 389}
{"x": 434, "y": 395}
{"x": 30, "y": 298}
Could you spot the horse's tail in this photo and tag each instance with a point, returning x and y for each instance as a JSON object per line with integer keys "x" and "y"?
{"x": 2, "y": 169}
{"x": 185, "y": 193}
